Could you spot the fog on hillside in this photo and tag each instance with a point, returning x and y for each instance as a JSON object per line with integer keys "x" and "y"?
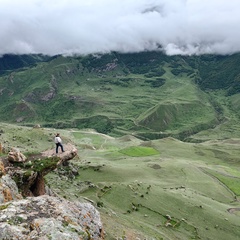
{"x": 81, "y": 27}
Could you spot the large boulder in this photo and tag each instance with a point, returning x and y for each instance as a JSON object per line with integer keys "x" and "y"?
{"x": 16, "y": 156}
{"x": 47, "y": 217}
{"x": 69, "y": 153}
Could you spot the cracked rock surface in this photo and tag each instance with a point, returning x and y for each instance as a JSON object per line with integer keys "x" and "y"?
{"x": 47, "y": 217}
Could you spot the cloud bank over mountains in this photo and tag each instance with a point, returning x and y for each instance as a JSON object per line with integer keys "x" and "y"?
{"x": 82, "y": 27}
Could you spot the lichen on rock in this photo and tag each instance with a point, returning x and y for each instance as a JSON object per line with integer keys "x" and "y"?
{"x": 51, "y": 217}
{"x": 8, "y": 189}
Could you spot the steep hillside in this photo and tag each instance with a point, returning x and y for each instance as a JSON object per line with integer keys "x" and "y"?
{"x": 159, "y": 189}
{"x": 10, "y": 62}
{"x": 149, "y": 94}
{"x": 218, "y": 72}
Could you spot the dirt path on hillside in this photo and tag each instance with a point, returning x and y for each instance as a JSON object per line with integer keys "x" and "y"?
{"x": 220, "y": 182}
{"x": 233, "y": 210}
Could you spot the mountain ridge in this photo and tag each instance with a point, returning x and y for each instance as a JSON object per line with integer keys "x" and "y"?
{"x": 114, "y": 93}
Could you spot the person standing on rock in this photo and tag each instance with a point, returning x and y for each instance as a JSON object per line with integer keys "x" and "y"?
{"x": 58, "y": 142}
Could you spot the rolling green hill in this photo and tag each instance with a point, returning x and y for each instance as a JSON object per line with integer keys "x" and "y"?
{"x": 159, "y": 189}
{"x": 149, "y": 94}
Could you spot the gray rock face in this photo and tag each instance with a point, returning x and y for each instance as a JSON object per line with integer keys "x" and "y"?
{"x": 47, "y": 217}
{"x": 8, "y": 190}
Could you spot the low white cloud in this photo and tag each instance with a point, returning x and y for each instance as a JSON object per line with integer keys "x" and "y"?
{"x": 82, "y": 27}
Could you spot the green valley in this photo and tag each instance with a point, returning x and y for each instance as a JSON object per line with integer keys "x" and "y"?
{"x": 157, "y": 136}
{"x": 149, "y": 95}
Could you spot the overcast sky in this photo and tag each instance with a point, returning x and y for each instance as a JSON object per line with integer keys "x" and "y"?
{"x": 89, "y": 26}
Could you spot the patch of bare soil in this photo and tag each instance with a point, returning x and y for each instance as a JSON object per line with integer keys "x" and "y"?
{"x": 233, "y": 210}
{"x": 155, "y": 166}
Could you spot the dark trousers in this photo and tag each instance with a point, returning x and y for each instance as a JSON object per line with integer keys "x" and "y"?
{"x": 59, "y": 145}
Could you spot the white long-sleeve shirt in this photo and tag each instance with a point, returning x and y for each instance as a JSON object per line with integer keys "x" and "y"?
{"x": 58, "y": 140}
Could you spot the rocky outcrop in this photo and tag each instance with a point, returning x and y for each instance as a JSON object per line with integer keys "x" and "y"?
{"x": 29, "y": 173}
{"x": 28, "y": 212}
{"x": 47, "y": 217}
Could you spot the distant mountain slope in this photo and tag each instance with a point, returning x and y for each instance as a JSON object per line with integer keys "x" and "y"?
{"x": 11, "y": 62}
{"x": 218, "y": 72}
{"x": 148, "y": 94}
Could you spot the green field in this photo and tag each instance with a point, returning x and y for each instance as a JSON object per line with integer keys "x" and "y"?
{"x": 136, "y": 191}
{"x": 139, "y": 151}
